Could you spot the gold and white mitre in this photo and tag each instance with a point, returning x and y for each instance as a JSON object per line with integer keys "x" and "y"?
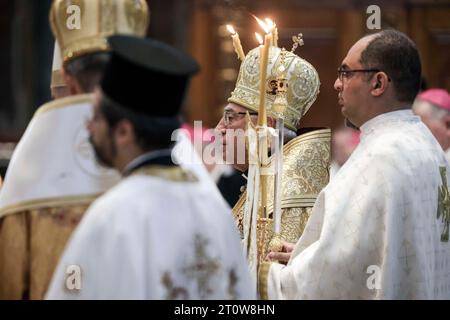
{"x": 303, "y": 84}
{"x": 306, "y": 158}
{"x": 82, "y": 26}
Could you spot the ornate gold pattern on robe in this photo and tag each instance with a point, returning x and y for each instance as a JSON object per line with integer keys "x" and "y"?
{"x": 443, "y": 210}
{"x": 305, "y": 173}
{"x": 31, "y": 243}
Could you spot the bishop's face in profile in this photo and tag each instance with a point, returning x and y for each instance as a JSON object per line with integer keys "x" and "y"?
{"x": 232, "y": 128}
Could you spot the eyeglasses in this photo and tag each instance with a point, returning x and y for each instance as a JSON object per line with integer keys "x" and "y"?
{"x": 229, "y": 116}
{"x": 347, "y": 73}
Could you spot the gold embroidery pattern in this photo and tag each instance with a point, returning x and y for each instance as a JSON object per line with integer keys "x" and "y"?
{"x": 63, "y": 215}
{"x": 108, "y": 17}
{"x": 137, "y": 14}
{"x": 303, "y": 82}
{"x": 293, "y": 223}
{"x": 201, "y": 270}
{"x": 65, "y": 102}
{"x": 443, "y": 209}
{"x": 50, "y": 202}
{"x": 305, "y": 174}
{"x": 174, "y": 174}
{"x": 263, "y": 279}
{"x": 173, "y": 292}
{"x": 77, "y": 49}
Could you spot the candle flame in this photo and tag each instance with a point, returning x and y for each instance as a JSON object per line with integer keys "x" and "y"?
{"x": 262, "y": 24}
{"x": 259, "y": 38}
{"x": 270, "y": 23}
{"x": 231, "y": 29}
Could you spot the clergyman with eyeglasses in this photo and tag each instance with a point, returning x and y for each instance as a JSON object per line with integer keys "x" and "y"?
{"x": 380, "y": 229}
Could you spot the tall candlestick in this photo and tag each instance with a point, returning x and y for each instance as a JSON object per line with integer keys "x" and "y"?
{"x": 236, "y": 43}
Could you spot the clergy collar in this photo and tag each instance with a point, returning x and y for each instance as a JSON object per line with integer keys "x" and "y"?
{"x": 393, "y": 116}
{"x": 161, "y": 157}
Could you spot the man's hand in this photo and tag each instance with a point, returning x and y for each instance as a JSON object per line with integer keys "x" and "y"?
{"x": 282, "y": 256}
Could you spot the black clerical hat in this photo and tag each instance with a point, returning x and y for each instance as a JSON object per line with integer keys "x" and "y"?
{"x": 146, "y": 76}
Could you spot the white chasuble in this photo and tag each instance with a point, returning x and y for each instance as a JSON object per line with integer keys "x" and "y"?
{"x": 158, "y": 234}
{"x": 379, "y": 230}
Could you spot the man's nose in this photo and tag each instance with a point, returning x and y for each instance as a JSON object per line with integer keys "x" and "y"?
{"x": 338, "y": 84}
{"x": 221, "y": 126}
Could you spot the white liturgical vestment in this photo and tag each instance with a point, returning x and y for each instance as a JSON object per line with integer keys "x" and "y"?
{"x": 54, "y": 163}
{"x": 379, "y": 230}
{"x": 155, "y": 235}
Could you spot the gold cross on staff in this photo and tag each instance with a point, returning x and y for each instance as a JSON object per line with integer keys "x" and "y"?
{"x": 444, "y": 204}
{"x": 298, "y": 41}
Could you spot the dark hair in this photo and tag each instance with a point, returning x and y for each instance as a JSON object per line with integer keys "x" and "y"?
{"x": 88, "y": 69}
{"x": 150, "y": 135}
{"x": 394, "y": 53}
{"x": 423, "y": 84}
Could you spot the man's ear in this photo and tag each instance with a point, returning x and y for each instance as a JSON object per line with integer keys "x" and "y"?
{"x": 71, "y": 82}
{"x": 446, "y": 121}
{"x": 124, "y": 133}
{"x": 379, "y": 84}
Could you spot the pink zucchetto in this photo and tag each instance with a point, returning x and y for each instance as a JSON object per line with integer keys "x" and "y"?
{"x": 439, "y": 97}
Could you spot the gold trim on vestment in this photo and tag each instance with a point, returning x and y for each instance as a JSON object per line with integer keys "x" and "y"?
{"x": 321, "y": 134}
{"x": 65, "y": 102}
{"x": 171, "y": 173}
{"x": 48, "y": 202}
{"x": 263, "y": 280}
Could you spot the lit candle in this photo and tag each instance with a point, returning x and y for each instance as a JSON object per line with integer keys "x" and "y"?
{"x": 274, "y": 31}
{"x": 236, "y": 42}
{"x": 264, "y": 59}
